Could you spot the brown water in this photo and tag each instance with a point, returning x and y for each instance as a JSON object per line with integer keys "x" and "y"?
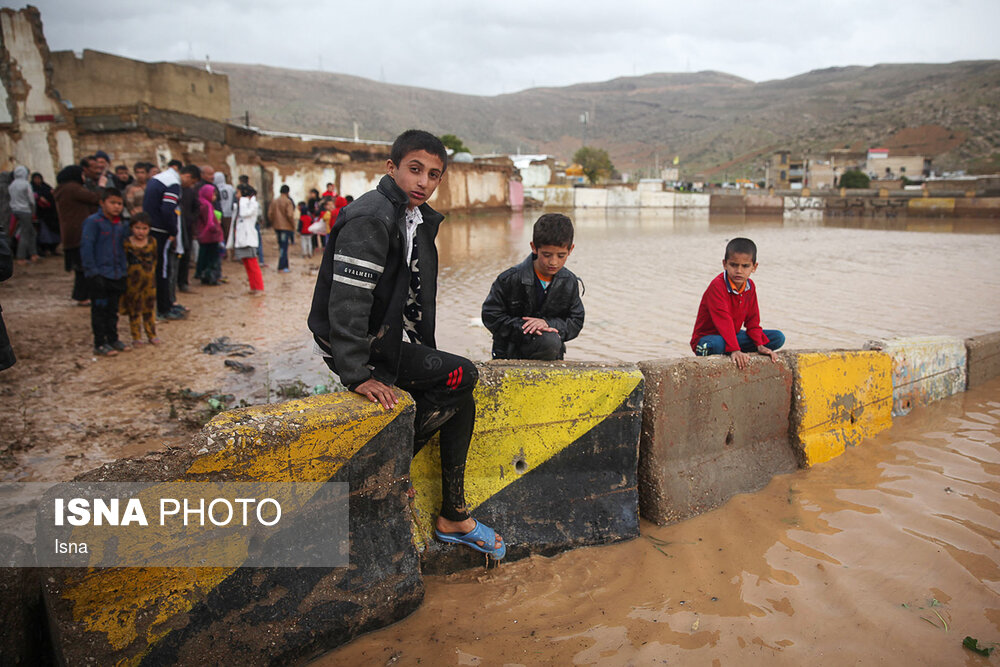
{"x": 889, "y": 554}
{"x": 812, "y": 570}
{"x": 827, "y": 284}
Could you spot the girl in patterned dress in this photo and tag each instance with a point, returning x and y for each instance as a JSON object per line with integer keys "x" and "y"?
{"x": 139, "y": 302}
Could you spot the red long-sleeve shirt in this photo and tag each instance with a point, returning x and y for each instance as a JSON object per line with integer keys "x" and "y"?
{"x": 723, "y": 312}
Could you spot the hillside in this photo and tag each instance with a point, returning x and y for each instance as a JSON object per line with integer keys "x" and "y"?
{"x": 713, "y": 121}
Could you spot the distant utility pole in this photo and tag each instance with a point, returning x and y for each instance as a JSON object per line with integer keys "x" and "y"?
{"x": 585, "y": 118}
{"x": 356, "y": 131}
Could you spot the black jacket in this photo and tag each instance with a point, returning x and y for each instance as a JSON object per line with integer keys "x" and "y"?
{"x": 6, "y": 271}
{"x": 357, "y": 309}
{"x": 513, "y": 296}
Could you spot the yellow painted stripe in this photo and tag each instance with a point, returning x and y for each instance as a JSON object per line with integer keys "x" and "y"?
{"x": 842, "y": 398}
{"x": 523, "y": 419}
{"x": 306, "y": 440}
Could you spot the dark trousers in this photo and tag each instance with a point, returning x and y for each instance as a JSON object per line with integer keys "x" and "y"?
{"x": 209, "y": 268}
{"x": 546, "y": 347}
{"x": 441, "y": 385}
{"x": 104, "y": 296}
{"x": 72, "y": 262}
{"x": 163, "y": 248}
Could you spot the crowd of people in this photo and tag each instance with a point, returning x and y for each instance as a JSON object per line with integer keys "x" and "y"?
{"x": 131, "y": 237}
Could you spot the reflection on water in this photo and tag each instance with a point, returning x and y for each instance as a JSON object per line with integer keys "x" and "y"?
{"x": 862, "y": 560}
{"x": 827, "y": 282}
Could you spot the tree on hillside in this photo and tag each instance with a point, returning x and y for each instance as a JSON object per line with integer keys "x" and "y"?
{"x": 854, "y": 179}
{"x": 594, "y": 162}
{"x": 454, "y": 143}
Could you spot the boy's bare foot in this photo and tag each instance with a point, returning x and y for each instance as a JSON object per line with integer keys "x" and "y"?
{"x": 443, "y": 525}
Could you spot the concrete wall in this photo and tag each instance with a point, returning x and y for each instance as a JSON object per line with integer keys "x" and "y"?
{"x": 924, "y": 369}
{"x": 101, "y": 80}
{"x": 590, "y": 198}
{"x": 34, "y": 131}
{"x": 557, "y": 461}
{"x": 623, "y": 198}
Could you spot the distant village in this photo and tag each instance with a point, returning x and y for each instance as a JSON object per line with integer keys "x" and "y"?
{"x": 60, "y": 106}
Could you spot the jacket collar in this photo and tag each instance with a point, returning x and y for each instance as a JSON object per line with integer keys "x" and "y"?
{"x": 388, "y": 188}
{"x": 526, "y": 272}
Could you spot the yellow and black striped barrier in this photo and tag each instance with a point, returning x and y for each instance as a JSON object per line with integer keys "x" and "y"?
{"x": 552, "y": 463}
{"x": 257, "y": 615}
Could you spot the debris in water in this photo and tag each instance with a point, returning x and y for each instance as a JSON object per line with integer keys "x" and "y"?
{"x": 222, "y": 345}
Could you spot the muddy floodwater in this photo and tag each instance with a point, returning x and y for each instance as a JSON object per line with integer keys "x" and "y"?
{"x": 887, "y": 555}
{"x": 865, "y": 559}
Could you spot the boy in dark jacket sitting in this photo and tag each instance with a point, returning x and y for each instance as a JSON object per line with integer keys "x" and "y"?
{"x": 378, "y": 283}
{"x": 534, "y": 308}
{"x": 102, "y": 253}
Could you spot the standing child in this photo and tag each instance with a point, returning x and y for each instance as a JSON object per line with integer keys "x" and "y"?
{"x": 102, "y": 252}
{"x": 139, "y": 303}
{"x": 243, "y": 236}
{"x": 305, "y": 236}
{"x": 730, "y": 303}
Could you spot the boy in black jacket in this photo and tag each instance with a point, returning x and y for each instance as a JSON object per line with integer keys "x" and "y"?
{"x": 534, "y": 308}
{"x": 377, "y": 283}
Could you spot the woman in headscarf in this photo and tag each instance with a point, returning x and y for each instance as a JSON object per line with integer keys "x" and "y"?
{"x": 45, "y": 211}
{"x": 74, "y": 203}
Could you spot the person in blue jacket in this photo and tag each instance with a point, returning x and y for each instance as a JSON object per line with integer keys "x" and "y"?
{"x": 102, "y": 253}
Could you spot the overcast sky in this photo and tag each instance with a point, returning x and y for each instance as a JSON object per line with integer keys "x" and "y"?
{"x": 488, "y": 48}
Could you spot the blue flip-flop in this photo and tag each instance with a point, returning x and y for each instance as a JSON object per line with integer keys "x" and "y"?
{"x": 481, "y": 533}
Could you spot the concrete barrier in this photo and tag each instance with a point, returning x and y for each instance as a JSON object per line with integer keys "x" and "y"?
{"x": 800, "y": 206}
{"x": 623, "y": 198}
{"x": 924, "y": 369}
{"x": 253, "y": 615}
{"x": 656, "y": 199}
{"x": 765, "y": 204}
{"x": 22, "y": 632}
{"x": 590, "y": 198}
{"x": 930, "y": 206}
{"x": 839, "y": 398}
{"x": 733, "y": 204}
{"x": 983, "y": 354}
{"x": 709, "y": 431}
{"x": 978, "y": 207}
{"x": 552, "y": 465}
{"x": 559, "y": 196}
{"x": 692, "y": 200}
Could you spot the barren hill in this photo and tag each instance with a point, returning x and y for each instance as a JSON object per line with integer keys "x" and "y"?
{"x": 714, "y": 121}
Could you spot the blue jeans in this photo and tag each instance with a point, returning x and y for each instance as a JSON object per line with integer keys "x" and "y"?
{"x": 285, "y": 236}
{"x": 715, "y": 344}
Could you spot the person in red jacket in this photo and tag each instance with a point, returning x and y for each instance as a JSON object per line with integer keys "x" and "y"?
{"x": 729, "y": 304}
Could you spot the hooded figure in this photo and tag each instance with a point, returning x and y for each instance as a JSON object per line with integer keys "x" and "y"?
{"x": 45, "y": 203}
{"x": 22, "y": 204}
{"x": 227, "y": 195}
{"x": 74, "y": 203}
{"x": 209, "y": 267}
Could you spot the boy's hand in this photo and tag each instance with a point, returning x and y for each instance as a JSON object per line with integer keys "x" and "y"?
{"x": 376, "y": 392}
{"x": 536, "y": 326}
{"x": 742, "y": 359}
{"x": 763, "y": 349}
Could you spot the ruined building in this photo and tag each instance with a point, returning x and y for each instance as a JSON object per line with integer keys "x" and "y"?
{"x": 57, "y": 107}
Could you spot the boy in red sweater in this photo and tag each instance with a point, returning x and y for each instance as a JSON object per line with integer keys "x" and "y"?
{"x": 729, "y": 304}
